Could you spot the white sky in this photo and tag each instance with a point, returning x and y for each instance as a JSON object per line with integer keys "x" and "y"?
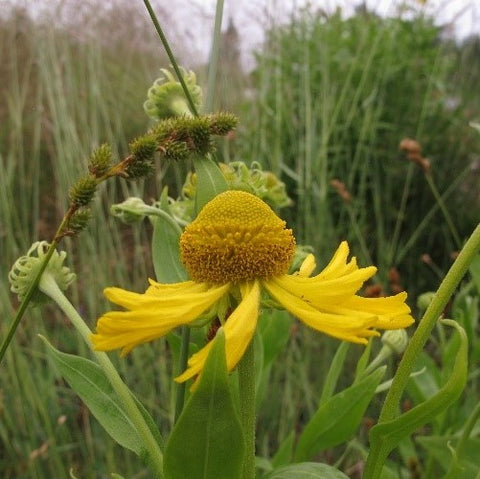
{"x": 252, "y": 16}
{"x": 194, "y": 18}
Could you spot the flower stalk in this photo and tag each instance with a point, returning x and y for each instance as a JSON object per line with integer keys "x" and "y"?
{"x": 390, "y": 408}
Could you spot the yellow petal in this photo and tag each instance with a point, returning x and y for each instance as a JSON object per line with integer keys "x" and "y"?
{"x": 239, "y": 329}
{"x": 307, "y": 267}
{"x": 338, "y": 265}
{"x": 151, "y": 316}
{"x": 320, "y": 291}
{"x": 350, "y": 327}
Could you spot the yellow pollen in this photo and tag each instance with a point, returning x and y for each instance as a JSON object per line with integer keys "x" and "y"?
{"x": 236, "y": 237}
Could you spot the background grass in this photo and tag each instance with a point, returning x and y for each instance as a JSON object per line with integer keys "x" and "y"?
{"x": 329, "y": 99}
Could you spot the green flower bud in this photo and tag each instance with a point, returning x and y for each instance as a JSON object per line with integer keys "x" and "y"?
{"x": 137, "y": 169}
{"x": 143, "y": 148}
{"x": 82, "y": 192}
{"x": 100, "y": 161}
{"x": 424, "y": 300}
{"x": 222, "y": 123}
{"x": 26, "y": 269}
{"x": 166, "y": 98}
{"x": 132, "y": 210}
{"x": 396, "y": 340}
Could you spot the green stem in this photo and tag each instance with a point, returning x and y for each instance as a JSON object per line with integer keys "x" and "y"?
{"x": 50, "y": 288}
{"x": 246, "y": 381}
{"x": 171, "y": 57}
{"x": 182, "y": 366}
{"x": 447, "y": 287}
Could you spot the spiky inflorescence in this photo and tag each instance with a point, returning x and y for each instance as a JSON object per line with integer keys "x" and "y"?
{"x": 143, "y": 148}
{"x": 222, "y": 123}
{"x": 100, "y": 160}
{"x": 181, "y": 137}
{"x": 82, "y": 192}
{"x": 79, "y": 220}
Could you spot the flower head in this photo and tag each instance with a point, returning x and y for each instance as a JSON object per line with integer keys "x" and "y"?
{"x": 236, "y": 248}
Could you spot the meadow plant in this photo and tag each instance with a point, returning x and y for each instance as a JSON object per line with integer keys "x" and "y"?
{"x": 229, "y": 273}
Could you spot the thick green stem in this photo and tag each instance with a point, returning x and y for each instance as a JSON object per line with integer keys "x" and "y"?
{"x": 246, "y": 381}
{"x": 391, "y": 405}
{"x": 50, "y": 287}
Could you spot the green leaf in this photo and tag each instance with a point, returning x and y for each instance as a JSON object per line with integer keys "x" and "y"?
{"x": 274, "y": 327}
{"x": 386, "y": 435}
{"x": 334, "y": 371}
{"x": 306, "y": 470}
{"x": 337, "y": 418}
{"x": 210, "y": 181}
{"x": 207, "y": 441}
{"x": 88, "y": 380}
{"x": 166, "y": 247}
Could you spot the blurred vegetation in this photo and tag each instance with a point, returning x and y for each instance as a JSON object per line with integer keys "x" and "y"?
{"x": 333, "y": 98}
{"x": 329, "y": 99}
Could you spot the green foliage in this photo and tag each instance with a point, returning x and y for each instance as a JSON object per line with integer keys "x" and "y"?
{"x": 88, "y": 380}
{"x": 337, "y": 419}
{"x": 166, "y": 247}
{"x": 333, "y": 99}
{"x": 207, "y": 441}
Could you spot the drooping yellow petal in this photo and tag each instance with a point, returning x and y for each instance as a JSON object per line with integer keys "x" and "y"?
{"x": 352, "y": 327}
{"x": 307, "y": 267}
{"x": 320, "y": 291}
{"x": 167, "y": 293}
{"x": 239, "y": 329}
{"x": 327, "y": 302}
{"x": 153, "y": 314}
{"x": 338, "y": 265}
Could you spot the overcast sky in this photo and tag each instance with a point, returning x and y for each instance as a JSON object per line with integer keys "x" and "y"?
{"x": 193, "y": 19}
{"x": 252, "y": 16}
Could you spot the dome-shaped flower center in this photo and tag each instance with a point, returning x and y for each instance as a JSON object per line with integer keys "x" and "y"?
{"x": 236, "y": 237}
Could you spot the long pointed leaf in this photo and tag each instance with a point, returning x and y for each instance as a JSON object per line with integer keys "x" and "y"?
{"x": 207, "y": 441}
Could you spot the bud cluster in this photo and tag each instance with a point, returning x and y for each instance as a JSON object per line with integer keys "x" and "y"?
{"x": 182, "y": 137}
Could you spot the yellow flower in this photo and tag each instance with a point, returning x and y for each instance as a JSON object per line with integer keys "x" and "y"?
{"x": 235, "y": 249}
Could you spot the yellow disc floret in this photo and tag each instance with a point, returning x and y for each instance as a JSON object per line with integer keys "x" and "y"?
{"x": 236, "y": 237}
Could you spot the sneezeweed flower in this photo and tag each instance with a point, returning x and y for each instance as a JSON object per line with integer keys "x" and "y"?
{"x": 26, "y": 269}
{"x": 233, "y": 251}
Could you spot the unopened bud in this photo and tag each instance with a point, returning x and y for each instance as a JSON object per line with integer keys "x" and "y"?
{"x": 395, "y": 339}
{"x": 26, "y": 269}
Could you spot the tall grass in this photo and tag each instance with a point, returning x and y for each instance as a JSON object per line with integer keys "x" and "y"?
{"x": 334, "y": 98}
{"x": 65, "y": 96}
